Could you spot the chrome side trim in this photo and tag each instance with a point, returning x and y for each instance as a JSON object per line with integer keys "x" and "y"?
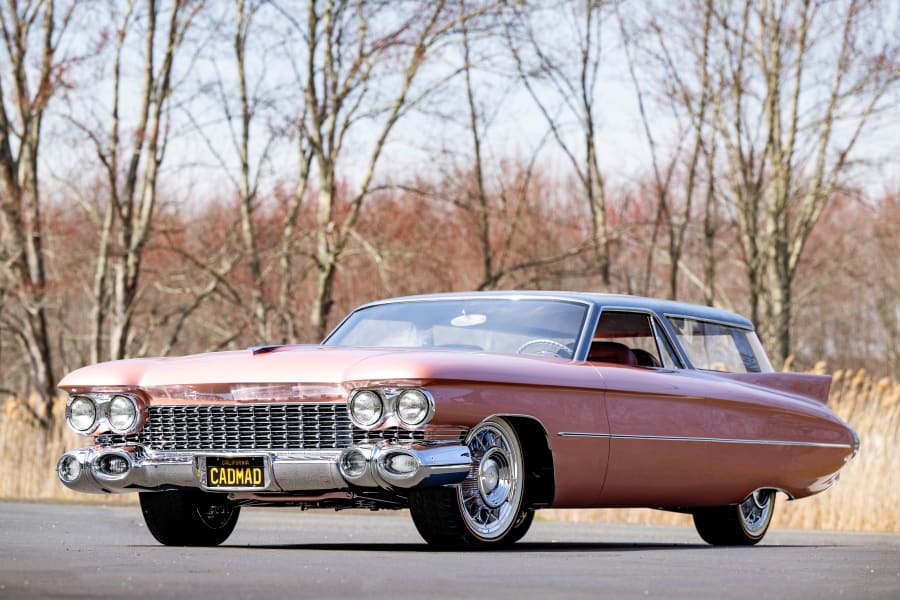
{"x": 712, "y": 440}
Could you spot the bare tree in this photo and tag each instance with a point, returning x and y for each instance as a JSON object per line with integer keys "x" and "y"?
{"x": 31, "y": 35}
{"x": 821, "y": 72}
{"x": 132, "y": 173}
{"x": 541, "y": 63}
{"x": 258, "y": 116}
{"x": 499, "y": 210}
{"x": 244, "y": 18}
{"x": 885, "y": 277}
{"x": 361, "y": 64}
{"x": 687, "y": 90}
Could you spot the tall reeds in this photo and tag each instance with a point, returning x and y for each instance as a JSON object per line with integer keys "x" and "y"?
{"x": 28, "y": 455}
{"x": 867, "y": 497}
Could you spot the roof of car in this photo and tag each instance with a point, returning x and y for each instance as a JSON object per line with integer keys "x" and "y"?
{"x": 603, "y": 301}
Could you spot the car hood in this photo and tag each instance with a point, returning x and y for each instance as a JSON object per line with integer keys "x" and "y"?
{"x": 330, "y": 365}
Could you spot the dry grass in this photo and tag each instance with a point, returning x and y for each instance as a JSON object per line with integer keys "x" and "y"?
{"x": 866, "y": 499}
{"x": 28, "y": 455}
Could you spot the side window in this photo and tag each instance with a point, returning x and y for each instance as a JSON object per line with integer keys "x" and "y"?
{"x": 719, "y": 347}
{"x": 666, "y": 353}
{"x": 630, "y": 338}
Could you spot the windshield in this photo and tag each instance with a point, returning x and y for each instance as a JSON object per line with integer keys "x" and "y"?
{"x": 524, "y": 326}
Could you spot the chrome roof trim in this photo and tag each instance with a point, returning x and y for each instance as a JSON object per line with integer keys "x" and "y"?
{"x": 672, "y": 315}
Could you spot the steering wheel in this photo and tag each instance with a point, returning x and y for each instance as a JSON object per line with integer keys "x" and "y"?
{"x": 559, "y": 349}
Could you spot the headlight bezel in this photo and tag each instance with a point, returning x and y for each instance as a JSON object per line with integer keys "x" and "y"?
{"x": 134, "y": 413}
{"x": 390, "y": 398}
{"x": 379, "y": 417}
{"x": 107, "y": 408}
{"x": 82, "y": 399}
{"x": 426, "y": 409}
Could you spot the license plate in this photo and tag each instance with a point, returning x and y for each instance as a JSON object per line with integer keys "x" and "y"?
{"x": 235, "y": 472}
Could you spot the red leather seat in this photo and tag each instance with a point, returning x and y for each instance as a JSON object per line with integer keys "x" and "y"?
{"x": 645, "y": 359}
{"x": 612, "y": 352}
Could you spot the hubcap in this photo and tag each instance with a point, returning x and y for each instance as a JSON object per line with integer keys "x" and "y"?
{"x": 215, "y": 516}
{"x": 490, "y": 498}
{"x": 494, "y": 483}
{"x": 756, "y": 511}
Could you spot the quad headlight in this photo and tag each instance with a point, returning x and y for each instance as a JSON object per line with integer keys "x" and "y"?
{"x": 81, "y": 414}
{"x": 89, "y": 414}
{"x": 122, "y": 413}
{"x": 413, "y": 407}
{"x": 366, "y": 408}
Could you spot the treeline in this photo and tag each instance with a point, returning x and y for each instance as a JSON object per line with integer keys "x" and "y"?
{"x": 180, "y": 176}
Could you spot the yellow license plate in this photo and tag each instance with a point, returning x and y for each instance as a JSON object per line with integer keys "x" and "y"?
{"x": 235, "y": 472}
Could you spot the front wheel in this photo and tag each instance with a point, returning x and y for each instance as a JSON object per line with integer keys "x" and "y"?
{"x": 485, "y": 510}
{"x": 188, "y": 518}
{"x": 741, "y": 525}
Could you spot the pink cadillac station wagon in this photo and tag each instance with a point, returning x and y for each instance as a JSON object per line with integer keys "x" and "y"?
{"x": 470, "y": 410}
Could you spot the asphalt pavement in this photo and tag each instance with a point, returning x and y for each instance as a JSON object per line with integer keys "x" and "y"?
{"x": 89, "y": 551}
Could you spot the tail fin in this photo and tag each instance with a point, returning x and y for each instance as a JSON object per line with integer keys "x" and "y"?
{"x": 805, "y": 385}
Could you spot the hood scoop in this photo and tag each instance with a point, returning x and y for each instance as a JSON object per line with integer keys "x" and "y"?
{"x": 265, "y": 349}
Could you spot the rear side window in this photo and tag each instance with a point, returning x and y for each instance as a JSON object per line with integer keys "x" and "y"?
{"x": 719, "y": 347}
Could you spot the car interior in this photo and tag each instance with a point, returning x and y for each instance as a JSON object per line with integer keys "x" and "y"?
{"x": 624, "y": 338}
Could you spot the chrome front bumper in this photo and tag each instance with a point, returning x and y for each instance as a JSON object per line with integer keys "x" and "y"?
{"x": 421, "y": 465}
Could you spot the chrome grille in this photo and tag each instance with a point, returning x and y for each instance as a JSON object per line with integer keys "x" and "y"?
{"x": 282, "y": 426}
{"x": 440, "y": 433}
{"x": 278, "y": 426}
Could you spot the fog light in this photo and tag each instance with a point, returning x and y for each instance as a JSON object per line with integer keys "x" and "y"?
{"x": 401, "y": 464}
{"x": 68, "y": 468}
{"x": 113, "y": 465}
{"x": 353, "y": 464}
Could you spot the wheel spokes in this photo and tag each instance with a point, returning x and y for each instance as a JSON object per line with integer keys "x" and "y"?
{"x": 490, "y": 496}
{"x": 756, "y": 510}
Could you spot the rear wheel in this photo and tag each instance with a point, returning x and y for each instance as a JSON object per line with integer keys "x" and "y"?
{"x": 188, "y": 517}
{"x": 485, "y": 510}
{"x": 741, "y": 525}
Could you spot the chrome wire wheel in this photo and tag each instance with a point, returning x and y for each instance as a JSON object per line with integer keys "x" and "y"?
{"x": 486, "y": 510}
{"x": 743, "y": 524}
{"x": 756, "y": 511}
{"x": 490, "y": 499}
